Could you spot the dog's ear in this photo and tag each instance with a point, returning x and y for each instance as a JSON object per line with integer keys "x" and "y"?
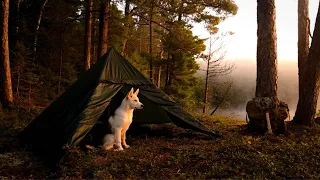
{"x": 137, "y": 92}
{"x": 130, "y": 94}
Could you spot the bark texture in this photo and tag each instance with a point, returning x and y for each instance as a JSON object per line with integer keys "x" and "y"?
{"x": 126, "y": 27}
{"x": 7, "y": 96}
{"x": 150, "y": 42}
{"x": 266, "y": 85}
{"x": 35, "y": 41}
{"x": 103, "y": 28}
{"x": 87, "y": 36}
{"x": 303, "y": 39}
{"x": 307, "y": 103}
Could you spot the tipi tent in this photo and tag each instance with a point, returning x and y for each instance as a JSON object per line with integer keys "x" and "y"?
{"x": 72, "y": 115}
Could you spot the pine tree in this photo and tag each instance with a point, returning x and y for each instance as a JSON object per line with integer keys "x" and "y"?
{"x": 7, "y": 95}
{"x": 307, "y": 102}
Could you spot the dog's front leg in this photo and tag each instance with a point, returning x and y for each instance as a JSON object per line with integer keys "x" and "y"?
{"x": 117, "y": 134}
{"x": 123, "y": 139}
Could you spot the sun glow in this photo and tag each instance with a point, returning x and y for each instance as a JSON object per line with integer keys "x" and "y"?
{"x": 242, "y": 44}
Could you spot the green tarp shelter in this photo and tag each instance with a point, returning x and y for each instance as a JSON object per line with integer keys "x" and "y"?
{"x": 72, "y": 115}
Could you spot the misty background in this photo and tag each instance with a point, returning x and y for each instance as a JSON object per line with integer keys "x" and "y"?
{"x": 244, "y": 82}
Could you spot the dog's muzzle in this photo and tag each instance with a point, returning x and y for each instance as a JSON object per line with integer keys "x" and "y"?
{"x": 140, "y": 107}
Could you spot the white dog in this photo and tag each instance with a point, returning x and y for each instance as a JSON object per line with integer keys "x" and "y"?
{"x": 121, "y": 121}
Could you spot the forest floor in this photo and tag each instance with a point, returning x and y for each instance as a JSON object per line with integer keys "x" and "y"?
{"x": 168, "y": 152}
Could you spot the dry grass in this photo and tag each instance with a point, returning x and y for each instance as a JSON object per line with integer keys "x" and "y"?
{"x": 168, "y": 152}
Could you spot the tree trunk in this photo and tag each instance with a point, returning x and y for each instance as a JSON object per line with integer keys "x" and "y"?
{"x": 14, "y": 23}
{"x": 266, "y": 50}
{"x": 87, "y": 36}
{"x": 150, "y": 41}
{"x": 7, "y": 96}
{"x": 18, "y": 82}
{"x": 180, "y": 10}
{"x": 37, "y": 30}
{"x": 60, "y": 62}
{"x": 94, "y": 42}
{"x": 307, "y": 103}
{"x": 170, "y": 70}
{"x": 126, "y": 27}
{"x": 29, "y": 93}
{"x": 140, "y": 47}
{"x": 103, "y": 28}
{"x": 303, "y": 40}
{"x": 205, "y": 98}
{"x": 18, "y": 2}
{"x": 60, "y": 71}
{"x": 159, "y": 77}
{"x": 266, "y": 101}
{"x": 167, "y": 73}
{"x": 170, "y": 79}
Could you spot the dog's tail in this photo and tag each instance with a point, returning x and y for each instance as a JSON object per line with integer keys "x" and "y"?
{"x": 108, "y": 141}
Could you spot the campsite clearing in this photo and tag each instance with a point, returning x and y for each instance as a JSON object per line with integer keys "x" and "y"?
{"x": 92, "y": 99}
{"x": 168, "y": 152}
